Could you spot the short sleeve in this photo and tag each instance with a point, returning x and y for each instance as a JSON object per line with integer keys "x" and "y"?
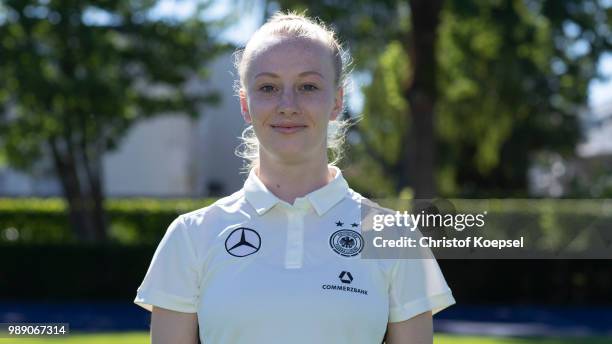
{"x": 171, "y": 281}
{"x": 417, "y": 286}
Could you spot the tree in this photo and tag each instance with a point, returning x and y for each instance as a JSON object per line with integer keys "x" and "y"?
{"x": 499, "y": 81}
{"x": 513, "y": 75}
{"x": 77, "y": 74}
{"x": 421, "y": 93}
{"x": 367, "y": 25}
{"x": 383, "y": 126}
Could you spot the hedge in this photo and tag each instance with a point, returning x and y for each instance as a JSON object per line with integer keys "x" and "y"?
{"x": 111, "y": 272}
{"x": 72, "y": 272}
{"x": 132, "y": 221}
{"x": 549, "y": 223}
{"x": 46, "y": 263}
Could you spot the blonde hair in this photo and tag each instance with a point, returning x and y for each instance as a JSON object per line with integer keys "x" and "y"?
{"x": 298, "y": 25}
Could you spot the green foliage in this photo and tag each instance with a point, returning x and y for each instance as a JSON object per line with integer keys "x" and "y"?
{"x": 79, "y": 74}
{"x": 53, "y": 272}
{"x": 511, "y": 81}
{"x": 365, "y": 25}
{"x": 381, "y": 125}
{"x": 549, "y": 227}
{"x": 64, "y": 268}
{"x": 511, "y": 76}
{"x": 91, "y": 273}
{"x": 384, "y": 112}
{"x": 544, "y": 223}
{"x": 132, "y": 221}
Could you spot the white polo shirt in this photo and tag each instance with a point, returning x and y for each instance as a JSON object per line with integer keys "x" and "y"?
{"x": 259, "y": 270}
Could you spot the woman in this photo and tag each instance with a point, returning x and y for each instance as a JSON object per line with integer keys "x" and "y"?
{"x": 279, "y": 261}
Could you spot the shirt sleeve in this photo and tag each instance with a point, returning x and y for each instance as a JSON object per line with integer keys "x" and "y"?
{"x": 172, "y": 279}
{"x": 417, "y": 286}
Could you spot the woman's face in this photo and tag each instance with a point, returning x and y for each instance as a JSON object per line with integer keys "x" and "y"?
{"x": 290, "y": 97}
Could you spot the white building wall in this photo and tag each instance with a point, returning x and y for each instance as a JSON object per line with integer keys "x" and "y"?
{"x": 175, "y": 156}
{"x": 153, "y": 160}
{"x": 167, "y": 155}
{"x": 217, "y": 137}
{"x": 598, "y": 131}
{"x": 15, "y": 183}
{"x": 40, "y": 182}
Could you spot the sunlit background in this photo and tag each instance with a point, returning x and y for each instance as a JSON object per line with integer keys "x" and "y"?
{"x": 118, "y": 115}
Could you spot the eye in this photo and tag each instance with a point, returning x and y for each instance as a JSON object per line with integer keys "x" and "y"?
{"x": 309, "y": 87}
{"x": 267, "y": 88}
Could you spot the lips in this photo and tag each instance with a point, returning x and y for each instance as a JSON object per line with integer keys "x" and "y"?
{"x": 286, "y": 128}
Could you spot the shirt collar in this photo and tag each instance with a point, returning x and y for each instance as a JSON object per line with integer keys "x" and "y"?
{"x": 321, "y": 199}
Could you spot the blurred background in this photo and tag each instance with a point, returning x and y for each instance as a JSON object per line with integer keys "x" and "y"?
{"x": 116, "y": 116}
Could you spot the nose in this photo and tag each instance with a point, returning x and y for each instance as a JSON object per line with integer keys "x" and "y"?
{"x": 287, "y": 103}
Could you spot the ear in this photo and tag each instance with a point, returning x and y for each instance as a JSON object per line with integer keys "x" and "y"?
{"x": 244, "y": 107}
{"x": 338, "y": 102}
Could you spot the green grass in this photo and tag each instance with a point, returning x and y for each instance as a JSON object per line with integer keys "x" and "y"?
{"x": 448, "y": 339}
{"x": 143, "y": 338}
{"x": 95, "y": 338}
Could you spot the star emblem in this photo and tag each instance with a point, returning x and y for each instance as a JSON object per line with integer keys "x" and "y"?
{"x": 242, "y": 242}
{"x": 354, "y": 224}
{"x": 339, "y": 224}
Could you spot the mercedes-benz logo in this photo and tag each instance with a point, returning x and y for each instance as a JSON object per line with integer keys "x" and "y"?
{"x": 242, "y": 242}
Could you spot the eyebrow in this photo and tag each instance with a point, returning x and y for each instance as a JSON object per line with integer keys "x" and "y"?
{"x": 272, "y": 75}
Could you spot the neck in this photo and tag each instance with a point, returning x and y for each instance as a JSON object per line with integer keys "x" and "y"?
{"x": 290, "y": 181}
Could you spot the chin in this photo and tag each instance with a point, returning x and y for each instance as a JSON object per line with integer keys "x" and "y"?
{"x": 292, "y": 151}
{"x": 291, "y": 154}
{"x": 283, "y": 147}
